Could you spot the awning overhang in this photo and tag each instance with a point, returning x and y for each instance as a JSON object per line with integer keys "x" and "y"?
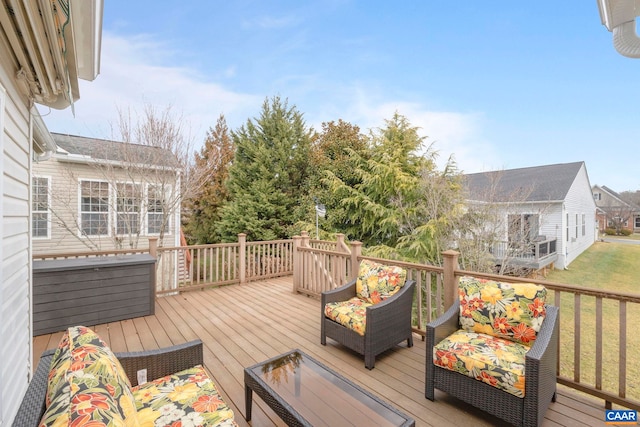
{"x": 54, "y": 43}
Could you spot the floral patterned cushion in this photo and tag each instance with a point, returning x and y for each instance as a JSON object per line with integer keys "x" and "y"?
{"x": 376, "y": 282}
{"x": 351, "y": 314}
{"x": 496, "y": 361}
{"x": 88, "y": 400}
{"x": 187, "y": 398}
{"x": 87, "y": 384}
{"x": 514, "y": 311}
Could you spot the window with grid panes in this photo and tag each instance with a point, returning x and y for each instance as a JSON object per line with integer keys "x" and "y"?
{"x": 94, "y": 208}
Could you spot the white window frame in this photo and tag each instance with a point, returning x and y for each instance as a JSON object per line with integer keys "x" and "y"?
{"x": 149, "y": 212}
{"x": 107, "y": 213}
{"x": 119, "y": 213}
{"x": 584, "y": 225}
{"x": 47, "y": 211}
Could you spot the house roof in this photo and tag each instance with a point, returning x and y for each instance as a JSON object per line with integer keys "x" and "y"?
{"x": 533, "y": 184}
{"x": 615, "y": 196}
{"x": 80, "y": 148}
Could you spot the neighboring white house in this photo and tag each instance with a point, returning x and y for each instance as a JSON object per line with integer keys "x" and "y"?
{"x": 45, "y": 47}
{"x": 95, "y": 194}
{"x": 613, "y": 212}
{"x": 551, "y": 203}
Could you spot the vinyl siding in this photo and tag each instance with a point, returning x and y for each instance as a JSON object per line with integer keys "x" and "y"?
{"x": 579, "y": 201}
{"x": 65, "y": 184}
{"x": 15, "y": 276}
{"x": 553, "y": 224}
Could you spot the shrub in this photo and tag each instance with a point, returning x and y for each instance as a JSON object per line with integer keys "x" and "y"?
{"x": 625, "y": 232}
{"x": 610, "y": 231}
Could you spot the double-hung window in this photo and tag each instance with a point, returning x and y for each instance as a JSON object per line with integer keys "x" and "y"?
{"x": 40, "y": 207}
{"x": 155, "y": 210}
{"x": 128, "y": 206}
{"x": 94, "y": 208}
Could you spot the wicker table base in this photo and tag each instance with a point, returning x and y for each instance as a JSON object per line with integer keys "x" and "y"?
{"x": 304, "y": 392}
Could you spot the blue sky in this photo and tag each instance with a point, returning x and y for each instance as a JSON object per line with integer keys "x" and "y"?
{"x": 496, "y": 84}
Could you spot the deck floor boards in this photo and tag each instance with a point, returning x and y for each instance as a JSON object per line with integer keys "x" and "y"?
{"x": 241, "y": 325}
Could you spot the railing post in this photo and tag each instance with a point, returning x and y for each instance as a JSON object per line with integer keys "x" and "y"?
{"x": 450, "y": 260}
{"x": 297, "y": 263}
{"x": 338, "y": 267}
{"x": 305, "y": 239}
{"x": 153, "y": 246}
{"x": 242, "y": 257}
{"x": 342, "y": 246}
{"x": 356, "y": 251}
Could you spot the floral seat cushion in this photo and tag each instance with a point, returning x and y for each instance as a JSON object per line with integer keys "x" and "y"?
{"x": 496, "y": 361}
{"x": 87, "y": 384}
{"x": 514, "y": 311}
{"x": 351, "y": 314}
{"x": 187, "y": 398}
{"x": 377, "y": 282}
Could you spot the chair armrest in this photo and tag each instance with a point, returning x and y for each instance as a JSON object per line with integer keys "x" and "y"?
{"x": 162, "y": 362}
{"x": 547, "y": 337}
{"x": 393, "y": 311}
{"x": 343, "y": 293}
{"x": 444, "y": 325}
{"x": 33, "y": 403}
{"x": 541, "y": 364}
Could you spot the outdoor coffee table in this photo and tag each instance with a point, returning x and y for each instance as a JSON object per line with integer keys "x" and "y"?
{"x": 304, "y": 392}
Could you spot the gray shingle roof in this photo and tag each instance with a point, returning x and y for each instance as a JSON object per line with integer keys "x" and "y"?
{"x": 102, "y": 149}
{"x": 532, "y": 184}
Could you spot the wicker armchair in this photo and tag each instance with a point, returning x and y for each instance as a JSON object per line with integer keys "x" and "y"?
{"x": 387, "y": 322}
{"x": 158, "y": 363}
{"x": 539, "y": 373}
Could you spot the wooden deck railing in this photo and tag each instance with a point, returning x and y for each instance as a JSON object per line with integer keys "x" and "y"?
{"x": 221, "y": 264}
{"x": 598, "y": 333}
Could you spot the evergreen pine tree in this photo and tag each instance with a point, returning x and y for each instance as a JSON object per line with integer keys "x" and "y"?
{"x": 268, "y": 174}
{"x": 204, "y": 208}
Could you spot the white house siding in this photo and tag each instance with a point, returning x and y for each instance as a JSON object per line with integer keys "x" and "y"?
{"x": 65, "y": 183}
{"x": 579, "y": 201}
{"x": 15, "y": 276}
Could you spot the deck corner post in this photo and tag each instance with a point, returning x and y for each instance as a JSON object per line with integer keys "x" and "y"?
{"x": 153, "y": 246}
{"x": 450, "y": 264}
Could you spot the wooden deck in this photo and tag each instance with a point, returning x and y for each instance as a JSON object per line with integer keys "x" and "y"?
{"x": 241, "y": 325}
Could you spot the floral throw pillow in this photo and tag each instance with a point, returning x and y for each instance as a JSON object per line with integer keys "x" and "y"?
{"x": 514, "y": 311}
{"x": 377, "y": 282}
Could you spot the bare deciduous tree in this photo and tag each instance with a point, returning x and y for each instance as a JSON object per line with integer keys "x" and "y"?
{"x": 145, "y": 178}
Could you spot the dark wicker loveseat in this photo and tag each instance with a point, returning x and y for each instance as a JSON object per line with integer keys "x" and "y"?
{"x": 540, "y": 373}
{"x": 388, "y": 322}
{"x": 158, "y": 364}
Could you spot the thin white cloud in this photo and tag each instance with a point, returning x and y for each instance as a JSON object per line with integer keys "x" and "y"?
{"x": 270, "y": 22}
{"x": 451, "y": 133}
{"x": 134, "y": 72}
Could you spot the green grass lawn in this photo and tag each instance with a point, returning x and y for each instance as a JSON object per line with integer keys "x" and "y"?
{"x": 613, "y": 267}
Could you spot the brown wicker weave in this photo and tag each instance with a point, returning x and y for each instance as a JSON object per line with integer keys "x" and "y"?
{"x": 158, "y": 363}
{"x": 540, "y": 374}
{"x": 388, "y": 322}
